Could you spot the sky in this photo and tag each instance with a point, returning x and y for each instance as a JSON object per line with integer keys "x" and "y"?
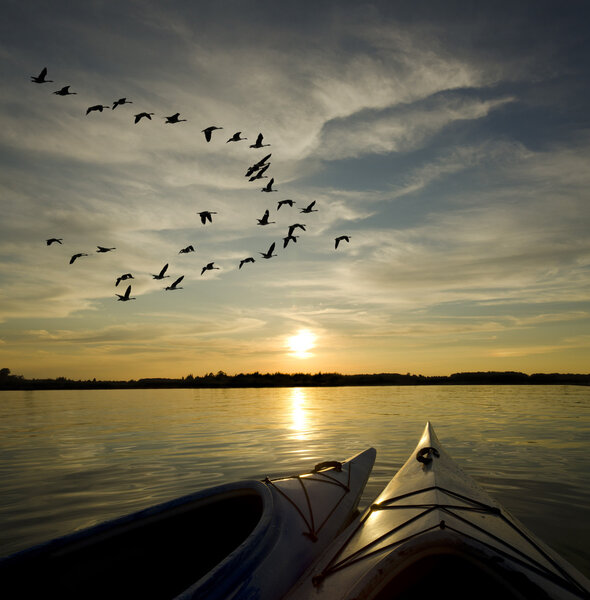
{"x": 449, "y": 140}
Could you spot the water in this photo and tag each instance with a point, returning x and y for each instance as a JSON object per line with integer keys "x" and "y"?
{"x": 70, "y": 459}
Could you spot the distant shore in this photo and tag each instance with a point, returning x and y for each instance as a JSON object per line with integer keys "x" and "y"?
{"x": 220, "y": 379}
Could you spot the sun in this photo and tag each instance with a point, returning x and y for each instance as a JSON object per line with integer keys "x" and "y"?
{"x": 301, "y": 343}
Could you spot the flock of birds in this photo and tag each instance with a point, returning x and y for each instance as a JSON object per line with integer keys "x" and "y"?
{"x": 255, "y": 172}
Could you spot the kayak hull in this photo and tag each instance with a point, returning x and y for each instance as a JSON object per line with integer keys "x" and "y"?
{"x": 433, "y": 529}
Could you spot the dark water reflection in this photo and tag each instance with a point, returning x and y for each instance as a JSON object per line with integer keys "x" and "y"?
{"x": 69, "y": 459}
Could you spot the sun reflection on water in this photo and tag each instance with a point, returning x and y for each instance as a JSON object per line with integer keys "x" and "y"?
{"x": 299, "y": 414}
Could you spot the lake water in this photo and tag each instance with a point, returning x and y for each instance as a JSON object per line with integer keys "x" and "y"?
{"x": 70, "y": 459}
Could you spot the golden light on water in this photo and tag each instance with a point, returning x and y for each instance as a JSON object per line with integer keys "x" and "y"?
{"x": 299, "y": 415}
{"x": 301, "y": 343}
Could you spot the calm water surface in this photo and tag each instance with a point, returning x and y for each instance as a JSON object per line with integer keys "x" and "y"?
{"x": 70, "y": 459}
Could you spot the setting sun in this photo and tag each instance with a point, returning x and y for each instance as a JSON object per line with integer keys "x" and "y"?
{"x": 301, "y": 343}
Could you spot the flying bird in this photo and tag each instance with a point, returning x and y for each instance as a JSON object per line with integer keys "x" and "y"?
{"x": 269, "y": 252}
{"x": 289, "y": 238}
{"x": 342, "y": 238}
{"x": 283, "y": 202}
{"x": 206, "y": 216}
{"x": 257, "y": 165}
{"x": 41, "y": 77}
{"x": 268, "y": 186}
{"x": 260, "y": 173}
{"x": 140, "y": 116}
{"x": 187, "y": 250}
{"x": 264, "y": 220}
{"x": 309, "y": 208}
{"x": 125, "y": 296}
{"x": 208, "y": 267}
{"x": 259, "y": 143}
{"x": 120, "y": 102}
{"x": 75, "y": 256}
{"x": 208, "y": 131}
{"x": 174, "y": 286}
{"x": 246, "y": 260}
{"x": 295, "y": 226}
{"x": 161, "y": 275}
{"x": 96, "y": 107}
{"x": 236, "y": 137}
{"x": 53, "y": 240}
{"x": 103, "y": 249}
{"x": 174, "y": 118}
{"x": 65, "y": 91}
{"x": 123, "y": 277}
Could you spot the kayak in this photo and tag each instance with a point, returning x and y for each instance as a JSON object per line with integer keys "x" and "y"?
{"x": 434, "y": 532}
{"x": 246, "y": 539}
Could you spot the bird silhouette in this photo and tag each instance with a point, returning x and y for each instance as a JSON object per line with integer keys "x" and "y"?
{"x": 309, "y": 208}
{"x": 268, "y": 186}
{"x": 75, "y": 256}
{"x": 283, "y": 202}
{"x": 257, "y": 165}
{"x": 41, "y": 77}
{"x": 53, "y": 240}
{"x": 187, "y": 250}
{"x": 174, "y": 286}
{"x": 341, "y": 238}
{"x": 123, "y": 277}
{"x": 96, "y": 107}
{"x": 236, "y": 137}
{"x": 258, "y": 143}
{"x": 208, "y": 267}
{"x": 260, "y": 173}
{"x": 174, "y": 118}
{"x": 208, "y": 131}
{"x": 264, "y": 220}
{"x": 206, "y": 216}
{"x": 103, "y": 249}
{"x": 269, "y": 252}
{"x": 125, "y": 296}
{"x": 289, "y": 238}
{"x": 120, "y": 102}
{"x": 65, "y": 91}
{"x": 161, "y": 275}
{"x": 246, "y": 260}
{"x": 295, "y": 226}
{"x": 141, "y": 115}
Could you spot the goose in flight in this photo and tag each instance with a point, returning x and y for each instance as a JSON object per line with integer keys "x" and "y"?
{"x": 96, "y": 107}
{"x": 120, "y": 102}
{"x": 161, "y": 275}
{"x": 141, "y": 115}
{"x": 75, "y": 256}
{"x": 269, "y": 252}
{"x": 187, "y": 250}
{"x": 341, "y": 238}
{"x": 206, "y": 216}
{"x": 260, "y": 173}
{"x": 103, "y": 249}
{"x": 123, "y": 277}
{"x": 124, "y": 297}
{"x": 65, "y": 91}
{"x": 309, "y": 208}
{"x": 295, "y": 226}
{"x": 208, "y": 131}
{"x": 268, "y": 186}
{"x": 289, "y": 238}
{"x": 257, "y": 165}
{"x": 283, "y": 202}
{"x": 208, "y": 267}
{"x": 174, "y": 118}
{"x": 246, "y": 260}
{"x": 174, "y": 286}
{"x": 259, "y": 143}
{"x": 53, "y": 240}
{"x": 264, "y": 220}
{"x": 41, "y": 77}
{"x": 236, "y": 137}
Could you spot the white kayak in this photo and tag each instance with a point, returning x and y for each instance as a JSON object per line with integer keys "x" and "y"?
{"x": 433, "y": 532}
{"x": 247, "y": 539}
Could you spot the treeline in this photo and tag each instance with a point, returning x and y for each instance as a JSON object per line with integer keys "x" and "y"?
{"x": 253, "y": 380}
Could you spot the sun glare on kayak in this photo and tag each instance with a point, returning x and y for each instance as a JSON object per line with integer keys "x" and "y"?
{"x": 301, "y": 343}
